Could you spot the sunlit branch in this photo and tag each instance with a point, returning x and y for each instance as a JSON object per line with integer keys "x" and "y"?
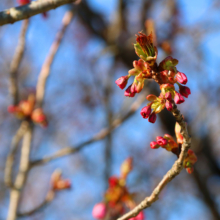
{"x": 21, "y": 177}
{"x": 174, "y": 171}
{"x": 49, "y": 197}
{"x": 35, "y": 7}
{"x": 14, "y": 145}
{"x": 45, "y": 71}
{"x": 97, "y": 137}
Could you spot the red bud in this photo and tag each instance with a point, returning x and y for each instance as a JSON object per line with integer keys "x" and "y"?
{"x": 145, "y": 112}
{"x": 152, "y": 118}
{"x": 181, "y": 78}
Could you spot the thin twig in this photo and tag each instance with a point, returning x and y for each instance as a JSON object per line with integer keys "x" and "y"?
{"x": 45, "y": 71}
{"x": 22, "y": 174}
{"x": 49, "y": 197}
{"x": 97, "y": 137}
{"x": 14, "y": 145}
{"x": 174, "y": 171}
{"x": 16, "y": 61}
{"x": 35, "y": 7}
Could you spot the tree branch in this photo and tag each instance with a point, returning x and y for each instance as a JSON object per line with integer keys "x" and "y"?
{"x": 49, "y": 197}
{"x": 45, "y": 71}
{"x": 174, "y": 171}
{"x": 22, "y": 174}
{"x": 14, "y": 145}
{"x": 35, "y": 7}
{"x": 97, "y": 137}
{"x": 19, "y": 52}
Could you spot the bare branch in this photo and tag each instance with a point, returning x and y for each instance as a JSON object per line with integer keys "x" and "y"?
{"x": 35, "y": 7}
{"x": 14, "y": 145}
{"x": 45, "y": 71}
{"x": 174, "y": 171}
{"x": 19, "y": 52}
{"x": 49, "y": 197}
{"x": 99, "y": 136}
{"x": 22, "y": 174}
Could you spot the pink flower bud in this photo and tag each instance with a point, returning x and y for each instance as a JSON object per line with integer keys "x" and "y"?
{"x": 140, "y": 216}
{"x": 128, "y": 92}
{"x": 23, "y": 2}
{"x": 178, "y": 99}
{"x": 136, "y": 87}
{"x": 152, "y": 118}
{"x": 161, "y": 141}
{"x": 181, "y": 78}
{"x": 169, "y": 105}
{"x": 145, "y": 112}
{"x": 154, "y": 145}
{"x": 12, "y": 108}
{"x": 168, "y": 96}
{"x": 39, "y": 117}
{"x": 122, "y": 81}
{"x": 99, "y": 211}
{"x": 185, "y": 91}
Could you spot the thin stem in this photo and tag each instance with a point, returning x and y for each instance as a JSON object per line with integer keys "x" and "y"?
{"x": 16, "y": 61}
{"x": 174, "y": 171}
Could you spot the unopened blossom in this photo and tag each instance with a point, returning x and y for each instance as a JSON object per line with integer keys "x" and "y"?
{"x": 128, "y": 92}
{"x": 154, "y": 145}
{"x": 161, "y": 141}
{"x": 181, "y": 78}
{"x": 168, "y": 96}
{"x": 169, "y": 105}
{"x": 23, "y": 2}
{"x": 146, "y": 111}
{"x": 178, "y": 99}
{"x": 99, "y": 211}
{"x": 152, "y": 118}
{"x": 122, "y": 81}
{"x": 184, "y": 91}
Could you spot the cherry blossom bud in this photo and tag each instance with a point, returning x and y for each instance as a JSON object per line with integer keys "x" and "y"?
{"x": 63, "y": 184}
{"x": 112, "y": 181}
{"x": 178, "y": 99}
{"x": 12, "y": 108}
{"x": 99, "y": 211}
{"x": 185, "y": 91}
{"x": 154, "y": 145}
{"x": 140, "y": 216}
{"x": 161, "y": 141}
{"x": 169, "y": 105}
{"x": 126, "y": 167}
{"x": 39, "y": 117}
{"x": 128, "y": 92}
{"x": 136, "y": 87}
{"x": 57, "y": 182}
{"x": 26, "y": 107}
{"x": 23, "y": 2}
{"x": 152, "y": 118}
{"x": 181, "y": 78}
{"x": 145, "y": 112}
{"x": 168, "y": 96}
{"x": 122, "y": 81}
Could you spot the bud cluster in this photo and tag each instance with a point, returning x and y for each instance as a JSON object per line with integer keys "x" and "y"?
{"x": 167, "y": 142}
{"x": 117, "y": 198}
{"x": 165, "y": 74}
{"x": 57, "y": 182}
{"x": 26, "y": 110}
